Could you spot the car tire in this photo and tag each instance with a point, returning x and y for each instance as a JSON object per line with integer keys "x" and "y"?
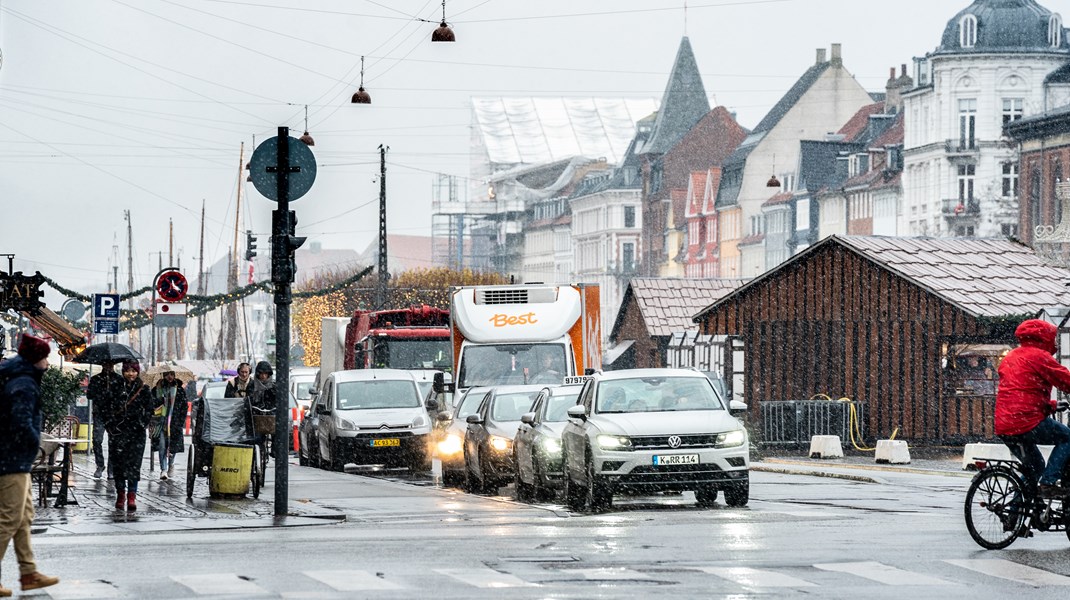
{"x": 599, "y": 491}
{"x": 575, "y": 494}
{"x": 419, "y": 463}
{"x": 488, "y": 485}
{"x": 539, "y": 490}
{"x": 338, "y": 462}
{"x": 468, "y": 481}
{"x": 524, "y": 491}
{"x": 451, "y": 478}
{"x": 301, "y": 460}
{"x": 706, "y": 497}
{"x": 737, "y": 495}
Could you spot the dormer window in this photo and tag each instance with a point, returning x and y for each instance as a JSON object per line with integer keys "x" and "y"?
{"x": 968, "y": 31}
{"x": 1055, "y": 31}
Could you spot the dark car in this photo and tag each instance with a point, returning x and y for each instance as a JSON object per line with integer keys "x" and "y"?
{"x": 488, "y": 439}
{"x": 450, "y": 447}
{"x": 307, "y": 443}
{"x": 537, "y": 445}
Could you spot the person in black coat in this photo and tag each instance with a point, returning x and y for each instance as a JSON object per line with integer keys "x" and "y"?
{"x": 102, "y": 387}
{"x": 20, "y": 438}
{"x": 126, "y": 419}
{"x": 170, "y": 406}
{"x": 242, "y": 385}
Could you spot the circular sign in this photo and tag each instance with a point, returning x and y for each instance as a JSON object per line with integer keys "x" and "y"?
{"x": 172, "y": 286}
{"x": 73, "y": 310}
{"x": 266, "y": 155}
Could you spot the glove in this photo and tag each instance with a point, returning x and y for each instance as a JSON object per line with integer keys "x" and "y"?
{"x": 1062, "y": 405}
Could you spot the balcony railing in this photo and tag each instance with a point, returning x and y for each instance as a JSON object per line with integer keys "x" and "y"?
{"x": 953, "y": 208}
{"x": 960, "y": 146}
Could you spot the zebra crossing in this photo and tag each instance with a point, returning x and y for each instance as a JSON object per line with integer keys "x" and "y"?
{"x": 345, "y": 582}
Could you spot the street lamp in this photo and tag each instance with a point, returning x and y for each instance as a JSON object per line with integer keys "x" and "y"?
{"x": 362, "y": 97}
{"x": 307, "y": 139}
{"x": 443, "y": 33}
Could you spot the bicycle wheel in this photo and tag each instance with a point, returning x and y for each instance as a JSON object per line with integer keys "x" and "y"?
{"x": 996, "y": 508}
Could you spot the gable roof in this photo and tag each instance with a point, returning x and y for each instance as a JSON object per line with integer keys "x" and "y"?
{"x": 682, "y": 105}
{"x": 713, "y": 183}
{"x": 789, "y": 99}
{"x": 981, "y": 277}
{"x": 696, "y": 192}
{"x": 667, "y": 303}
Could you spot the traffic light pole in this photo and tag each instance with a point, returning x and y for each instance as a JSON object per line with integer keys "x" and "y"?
{"x": 282, "y": 276}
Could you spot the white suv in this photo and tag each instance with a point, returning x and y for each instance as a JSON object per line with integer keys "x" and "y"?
{"x": 654, "y": 430}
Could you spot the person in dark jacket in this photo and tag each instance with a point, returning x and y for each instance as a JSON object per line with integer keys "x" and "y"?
{"x": 20, "y": 439}
{"x": 126, "y": 419}
{"x": 169, "y": 417}
{"x": 102, "y": 387}
{"x": 242, "y": 385}
{"x": 1023, "y": 405}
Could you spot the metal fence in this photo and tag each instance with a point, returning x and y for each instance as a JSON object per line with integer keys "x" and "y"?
{"x": 796, "y": 421}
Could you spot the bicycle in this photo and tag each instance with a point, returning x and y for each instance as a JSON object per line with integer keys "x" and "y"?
{"x": 1001, "y": 507}
{"x": 264, "y": 430}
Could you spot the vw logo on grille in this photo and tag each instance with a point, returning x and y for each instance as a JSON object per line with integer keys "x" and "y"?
{"x": 675, "y": 441}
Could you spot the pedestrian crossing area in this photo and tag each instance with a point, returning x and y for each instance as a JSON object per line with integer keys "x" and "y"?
{"x": 342, "y": 583}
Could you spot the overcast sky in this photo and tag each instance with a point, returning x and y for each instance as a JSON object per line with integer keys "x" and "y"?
{"x": 142, "y": 105}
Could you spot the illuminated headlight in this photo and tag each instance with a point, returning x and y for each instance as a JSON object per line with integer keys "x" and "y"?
{"x": 419, "y": 421}
{"x": 550, "y": 445}
{"x": 451, "y": 445}
{"x": 499, "y": 443}
{"x": 614, "y": 442}
{"x": 731, "y": 439}
{"x": 344, "y": 424}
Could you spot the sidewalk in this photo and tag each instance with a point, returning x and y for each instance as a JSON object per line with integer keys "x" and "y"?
{"x": 861, "y": 466}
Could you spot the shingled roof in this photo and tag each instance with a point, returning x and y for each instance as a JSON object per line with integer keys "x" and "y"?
{"x": 985, "y": 278}
{"x": 668, "y": 303}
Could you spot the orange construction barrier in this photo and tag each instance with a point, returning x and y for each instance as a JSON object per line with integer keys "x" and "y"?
{"x": 297, "y": 416}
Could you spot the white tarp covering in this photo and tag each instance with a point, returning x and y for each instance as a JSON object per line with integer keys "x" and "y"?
{"x": 543, "y": 130}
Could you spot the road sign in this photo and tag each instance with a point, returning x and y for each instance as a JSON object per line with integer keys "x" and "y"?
{"x": 73, "y": 310}
{"x": 105, "y": 306}
{"x": 106, "y": 326}
{"x": 172, "y": 286}
{"x": 266, "y": 155}
{"x": 170, "y": 314}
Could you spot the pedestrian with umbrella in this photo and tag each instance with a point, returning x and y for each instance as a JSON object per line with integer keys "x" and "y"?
{"x": 102, "y": 387}
{"x": 126, "y": 419}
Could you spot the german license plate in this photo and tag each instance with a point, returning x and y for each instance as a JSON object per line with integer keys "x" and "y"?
{"x": 676, "y": 459}
{"x": 383, "y": 443}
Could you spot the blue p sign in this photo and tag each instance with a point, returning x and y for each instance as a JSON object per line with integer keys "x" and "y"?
{"x": 106, "y": 306}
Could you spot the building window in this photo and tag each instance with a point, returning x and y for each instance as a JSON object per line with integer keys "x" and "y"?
{"x": 627, "y": 260}
{"x": 1010, "y": 180}
{"x": 1055, "y": 31}
{"x": 1012, "y": 109}
{"x": 967, "y": 123}
{"x": 964, "y": 231}
{"x": 629, "y": 216}
{"x": 787, "y": 182}
{"x": 1034, "y": 195}
{"x": 966, "y": 174}
{"x": 968, "y": 31}
{"x": 1009, "y": 229}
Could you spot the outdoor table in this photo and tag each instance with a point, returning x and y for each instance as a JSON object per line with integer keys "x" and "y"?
{"x": 68, "y": 448}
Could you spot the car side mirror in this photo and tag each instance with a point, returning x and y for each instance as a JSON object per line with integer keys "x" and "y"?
{"x": 474, "y": 419}
{"x": 528, "y": 418}
{"x": 312, "y": 392}
{"x": 439, "y": 385}
{"x": 577, "y": 412}
{"x": 737, "y": 407}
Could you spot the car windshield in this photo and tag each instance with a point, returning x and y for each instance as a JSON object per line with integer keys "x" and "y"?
{"x": 509, "y": 407}
{"x": 512, "y": 364}
{"x": 470, "y": 404}
{"x": 303, "y": 388}
{"x": 425, "y": 387}
{"x": 557, "y": 407}
{"x": 656, "y": 394}
{"x": 381, "y": 393}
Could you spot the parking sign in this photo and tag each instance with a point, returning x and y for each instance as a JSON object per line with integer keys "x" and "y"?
{"x": 106, "y": 306}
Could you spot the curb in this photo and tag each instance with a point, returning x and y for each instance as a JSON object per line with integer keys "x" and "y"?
{"x": 829, "y": 474}
{"x": 885, "y": 468}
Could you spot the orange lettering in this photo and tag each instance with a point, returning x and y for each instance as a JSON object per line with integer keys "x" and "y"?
{"x": 501, "y": 320}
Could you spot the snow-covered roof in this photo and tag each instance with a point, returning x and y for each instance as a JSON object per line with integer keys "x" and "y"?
{"x": 542, "y": 130}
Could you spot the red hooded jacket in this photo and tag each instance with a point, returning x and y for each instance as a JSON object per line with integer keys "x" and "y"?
{"x": 1026, "y": 376}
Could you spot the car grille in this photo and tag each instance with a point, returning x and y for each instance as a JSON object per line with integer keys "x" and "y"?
{"x": 652, "y": 475}
{"x": 384, "y": 434}
{"x": 659, "y": 442}
{"x": 380, "y": 427}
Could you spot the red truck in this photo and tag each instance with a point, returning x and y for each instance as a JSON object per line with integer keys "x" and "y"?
{"x": 406, "y": 338}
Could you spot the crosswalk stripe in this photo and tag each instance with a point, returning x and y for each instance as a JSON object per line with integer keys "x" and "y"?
{"x": 882, "y": 573}
{"x": 1005, "y": 569}
{"x": 610, "y": 573}
{"x": 218, "y": 583}
{"x": 485, "y": 578}
{"x": 756, "y": 577}
{"x": 82, "y": 590}
{"x": 353, "y": 581}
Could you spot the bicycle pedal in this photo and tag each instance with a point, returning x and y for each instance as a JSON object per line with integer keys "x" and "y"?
{"x": 1025, "y": 533}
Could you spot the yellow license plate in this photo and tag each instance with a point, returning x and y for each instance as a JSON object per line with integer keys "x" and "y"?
{"x": 385, "y": 443}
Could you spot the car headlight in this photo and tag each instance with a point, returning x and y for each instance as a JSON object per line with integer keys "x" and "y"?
{"x": 614, "y": 442}
{"x": 344, "y": 424}
{"x": 499, "y": 443}
{"x": 453, "y": 444}
{"x": 419, "y": 421}
{"x": 550, "y": 445}
{"x": 731, "y": 439}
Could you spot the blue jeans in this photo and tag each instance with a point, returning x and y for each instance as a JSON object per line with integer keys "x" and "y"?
{"x": 162, "y": 448}
{"x": 1024, "y": 447}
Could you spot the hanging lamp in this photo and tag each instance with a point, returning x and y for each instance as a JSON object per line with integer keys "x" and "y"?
{"x": 307, "y": 139}
{"x": 443, "y": 33}
{"x": 362, "y": 96}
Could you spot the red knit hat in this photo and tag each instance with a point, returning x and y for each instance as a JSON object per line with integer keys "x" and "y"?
{"x": 33, "y": 349}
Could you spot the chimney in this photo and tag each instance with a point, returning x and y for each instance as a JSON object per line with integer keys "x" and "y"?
{"x": 820, "y": 55}
{"x": 837, "y": 56}
{"x": 903, "y": 70}
{"x": 891, "y": 75}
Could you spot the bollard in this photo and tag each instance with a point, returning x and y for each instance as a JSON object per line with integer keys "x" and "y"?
{"x": 826, "y": 446}
{"x": 894, "y": 452}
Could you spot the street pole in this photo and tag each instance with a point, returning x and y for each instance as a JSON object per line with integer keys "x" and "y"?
{"x": 281, "y": 275}
{"x": 383, "y": 273}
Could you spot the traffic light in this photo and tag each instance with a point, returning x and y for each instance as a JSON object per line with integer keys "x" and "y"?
{"x": 250, "y": 245}
{"x": 283, "y": 259}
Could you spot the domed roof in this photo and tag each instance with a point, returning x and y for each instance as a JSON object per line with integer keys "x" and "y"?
{"x": 1004, "y": 26}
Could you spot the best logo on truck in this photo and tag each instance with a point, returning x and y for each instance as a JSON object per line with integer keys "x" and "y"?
{"x": 500, "y": 320}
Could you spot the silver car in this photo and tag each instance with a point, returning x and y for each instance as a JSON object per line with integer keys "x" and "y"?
{"x": 653, "y": 430}
{"x": 450, "y": 447}
{"x": 538, "y": 443}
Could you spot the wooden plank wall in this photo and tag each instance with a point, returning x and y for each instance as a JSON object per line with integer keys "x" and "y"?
{"x": 839, "y": 325}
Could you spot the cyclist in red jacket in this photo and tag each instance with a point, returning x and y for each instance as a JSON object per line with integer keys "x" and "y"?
{"x": 1023, "y": 405}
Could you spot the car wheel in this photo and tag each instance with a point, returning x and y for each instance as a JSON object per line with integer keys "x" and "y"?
{"x": 524, "y": 491}
{"x": 338, "y": 462}
{"x": 706, "y": 497}
{"x": 419, "y": 463}
{"x": 538, "y": 488}
{"x": 451, "y": 478}
{"x": 468, "y": 482}
{"x": 575, "y": 495}
{"x": 737, "y": 495}
{"x": 301, "y": 460}
{"x": 599, "y": 492}
{"x": 488, "y": 483}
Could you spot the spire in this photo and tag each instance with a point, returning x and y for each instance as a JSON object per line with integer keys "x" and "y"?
{"x": 682, "y": 105}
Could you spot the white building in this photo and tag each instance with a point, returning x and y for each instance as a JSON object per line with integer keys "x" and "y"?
{"x": 960, "y": 176}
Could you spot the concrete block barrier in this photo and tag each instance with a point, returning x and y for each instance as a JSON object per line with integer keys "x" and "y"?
{"x": 894, "y": 452}
{"x": 826, "y": 446}
{"x": 974, "y": 452}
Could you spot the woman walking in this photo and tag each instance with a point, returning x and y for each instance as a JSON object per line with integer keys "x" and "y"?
{"x": 126, "y": 419}
{"x": 169, "y": 417}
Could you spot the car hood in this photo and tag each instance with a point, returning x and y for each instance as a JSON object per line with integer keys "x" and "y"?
{"x": 506, "y": 429}
{"x": 661, "y": 423}
{"x": 375, "y": 417}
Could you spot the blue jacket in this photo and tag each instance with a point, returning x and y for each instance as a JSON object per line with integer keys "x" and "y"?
{"x": 20, "y": 415}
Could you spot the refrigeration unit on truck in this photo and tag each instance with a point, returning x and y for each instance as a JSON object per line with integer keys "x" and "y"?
{"x": 522, "y": 334}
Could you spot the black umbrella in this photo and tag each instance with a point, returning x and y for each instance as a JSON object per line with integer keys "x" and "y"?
{"x": 107, "y": 352}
